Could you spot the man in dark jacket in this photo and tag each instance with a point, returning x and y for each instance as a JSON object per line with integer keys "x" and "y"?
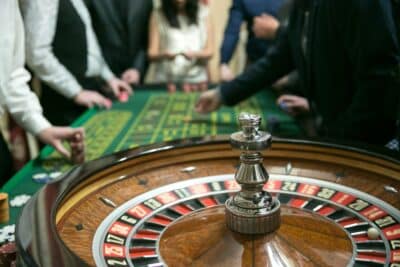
{"x": 346, "y": 52}
{"x": 122, "y": 30}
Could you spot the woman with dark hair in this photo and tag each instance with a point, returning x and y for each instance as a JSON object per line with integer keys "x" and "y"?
{"x": 180, "y": 42}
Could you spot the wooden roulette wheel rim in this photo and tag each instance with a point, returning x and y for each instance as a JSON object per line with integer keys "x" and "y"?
{"x": 60, "y": 226}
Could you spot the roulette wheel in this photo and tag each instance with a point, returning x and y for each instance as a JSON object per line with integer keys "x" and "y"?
{"x": 196, "y": 203}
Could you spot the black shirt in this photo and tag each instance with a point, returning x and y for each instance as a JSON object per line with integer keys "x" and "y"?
{"x": 349, "y": 69}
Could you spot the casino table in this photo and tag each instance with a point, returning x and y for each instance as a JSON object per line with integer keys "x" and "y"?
{"x": 151, "y": 116}
{"x": 163, "y": 205}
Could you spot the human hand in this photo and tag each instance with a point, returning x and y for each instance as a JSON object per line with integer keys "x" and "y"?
{"x": 281, "y": 83}
{"x": 188, "y": 87}
{"x": 209, "y": 101}
{"x": 169, "y": 55}
{"x": 226, "y": 73}
{"x": 131, "y": 76}
{"x": 194, "y": 87}
{"x": 190, "y": 55}
{"x": 120, "y": 88}
{"x": 171, "y": 87}
{"x": 265, "y": 26}
{"x": 55, "y": 136}
{"x": 294, "y": 105}
{"x": 90, "y": 99}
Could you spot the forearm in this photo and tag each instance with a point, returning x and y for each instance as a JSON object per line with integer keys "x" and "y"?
{"x": 232, "y": 31}
{"x": 51, "y": 72}
{"x": 205, "y": 54}
{"x": 158, "y": 56}
{"x": 255, "y": 78}
{"x": 15, "y": 95}
{"x": 33, "y": 123}
{"x": 139, "y": 62}
{"x": 274, "y": 65}
{"x": 227, "y": 49}
{"x": 23, "y": 104}
{"x": 40, "y": 30}
{"x": 106, "y": 73}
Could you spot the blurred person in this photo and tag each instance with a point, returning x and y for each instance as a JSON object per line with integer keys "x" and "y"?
{"x": 62, "y": 50}
{"x": 17, "y": 98}
{"x": 181, "y": 43}
{"x": 262, "y": 26}
{"x": 122, "y": 28}
{"x": 394, "y": 144}
{"x": 347, "y": 56}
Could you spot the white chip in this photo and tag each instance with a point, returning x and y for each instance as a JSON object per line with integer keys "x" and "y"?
{"x": 42, "y": 178}
{"x": 39, "y": 176}
{"x": 3, "y": 238}
{"x": 19, "y": 201}
{"x": 55, "y": 175}
{"x": 11, "y": 238}
{"x": 8, "y": 229}
{"x": 7, "y": 233}
{"x": 7, "y": 238}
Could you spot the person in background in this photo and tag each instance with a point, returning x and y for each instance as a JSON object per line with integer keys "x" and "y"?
{"x": 181, "y": 42}
{"x": 122, "y": 28}
{"x": 347, "y": 56}
{"x": 17, "y": 98}
{"x": 262, "y": 26}
{"x": 394, "y": 144}
{"x": 62, "y": 50}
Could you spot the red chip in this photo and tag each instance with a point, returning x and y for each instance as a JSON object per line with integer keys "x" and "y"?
{"x": 7, "y": 254}
{"x": 123, "y": 96}
{"x": 8, "y": 248}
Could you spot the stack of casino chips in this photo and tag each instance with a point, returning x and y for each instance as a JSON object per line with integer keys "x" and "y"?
{"x": 4, "y": 208}
{"x": 8, "y": 255}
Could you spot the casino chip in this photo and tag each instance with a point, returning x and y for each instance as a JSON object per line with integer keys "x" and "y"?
{"x": 41, "y": 178}
{"x": 394, "y": 145}
{"x": 8, "y": 254}
{"x": 284, "y": 106}
{"x": 44, "y": 178}
{"x": 55, "y": 175}
{"x": 7, "y": 234}
{"x": 19, "y": 201}
{"x": 123, "y": 97}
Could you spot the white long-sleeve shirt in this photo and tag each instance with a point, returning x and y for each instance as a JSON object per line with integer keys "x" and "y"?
{"x": 15, "y": 95}
{"x": 40, "y": 18}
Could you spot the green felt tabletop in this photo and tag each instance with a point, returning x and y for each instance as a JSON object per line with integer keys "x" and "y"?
{"x": 149, "y": 117}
